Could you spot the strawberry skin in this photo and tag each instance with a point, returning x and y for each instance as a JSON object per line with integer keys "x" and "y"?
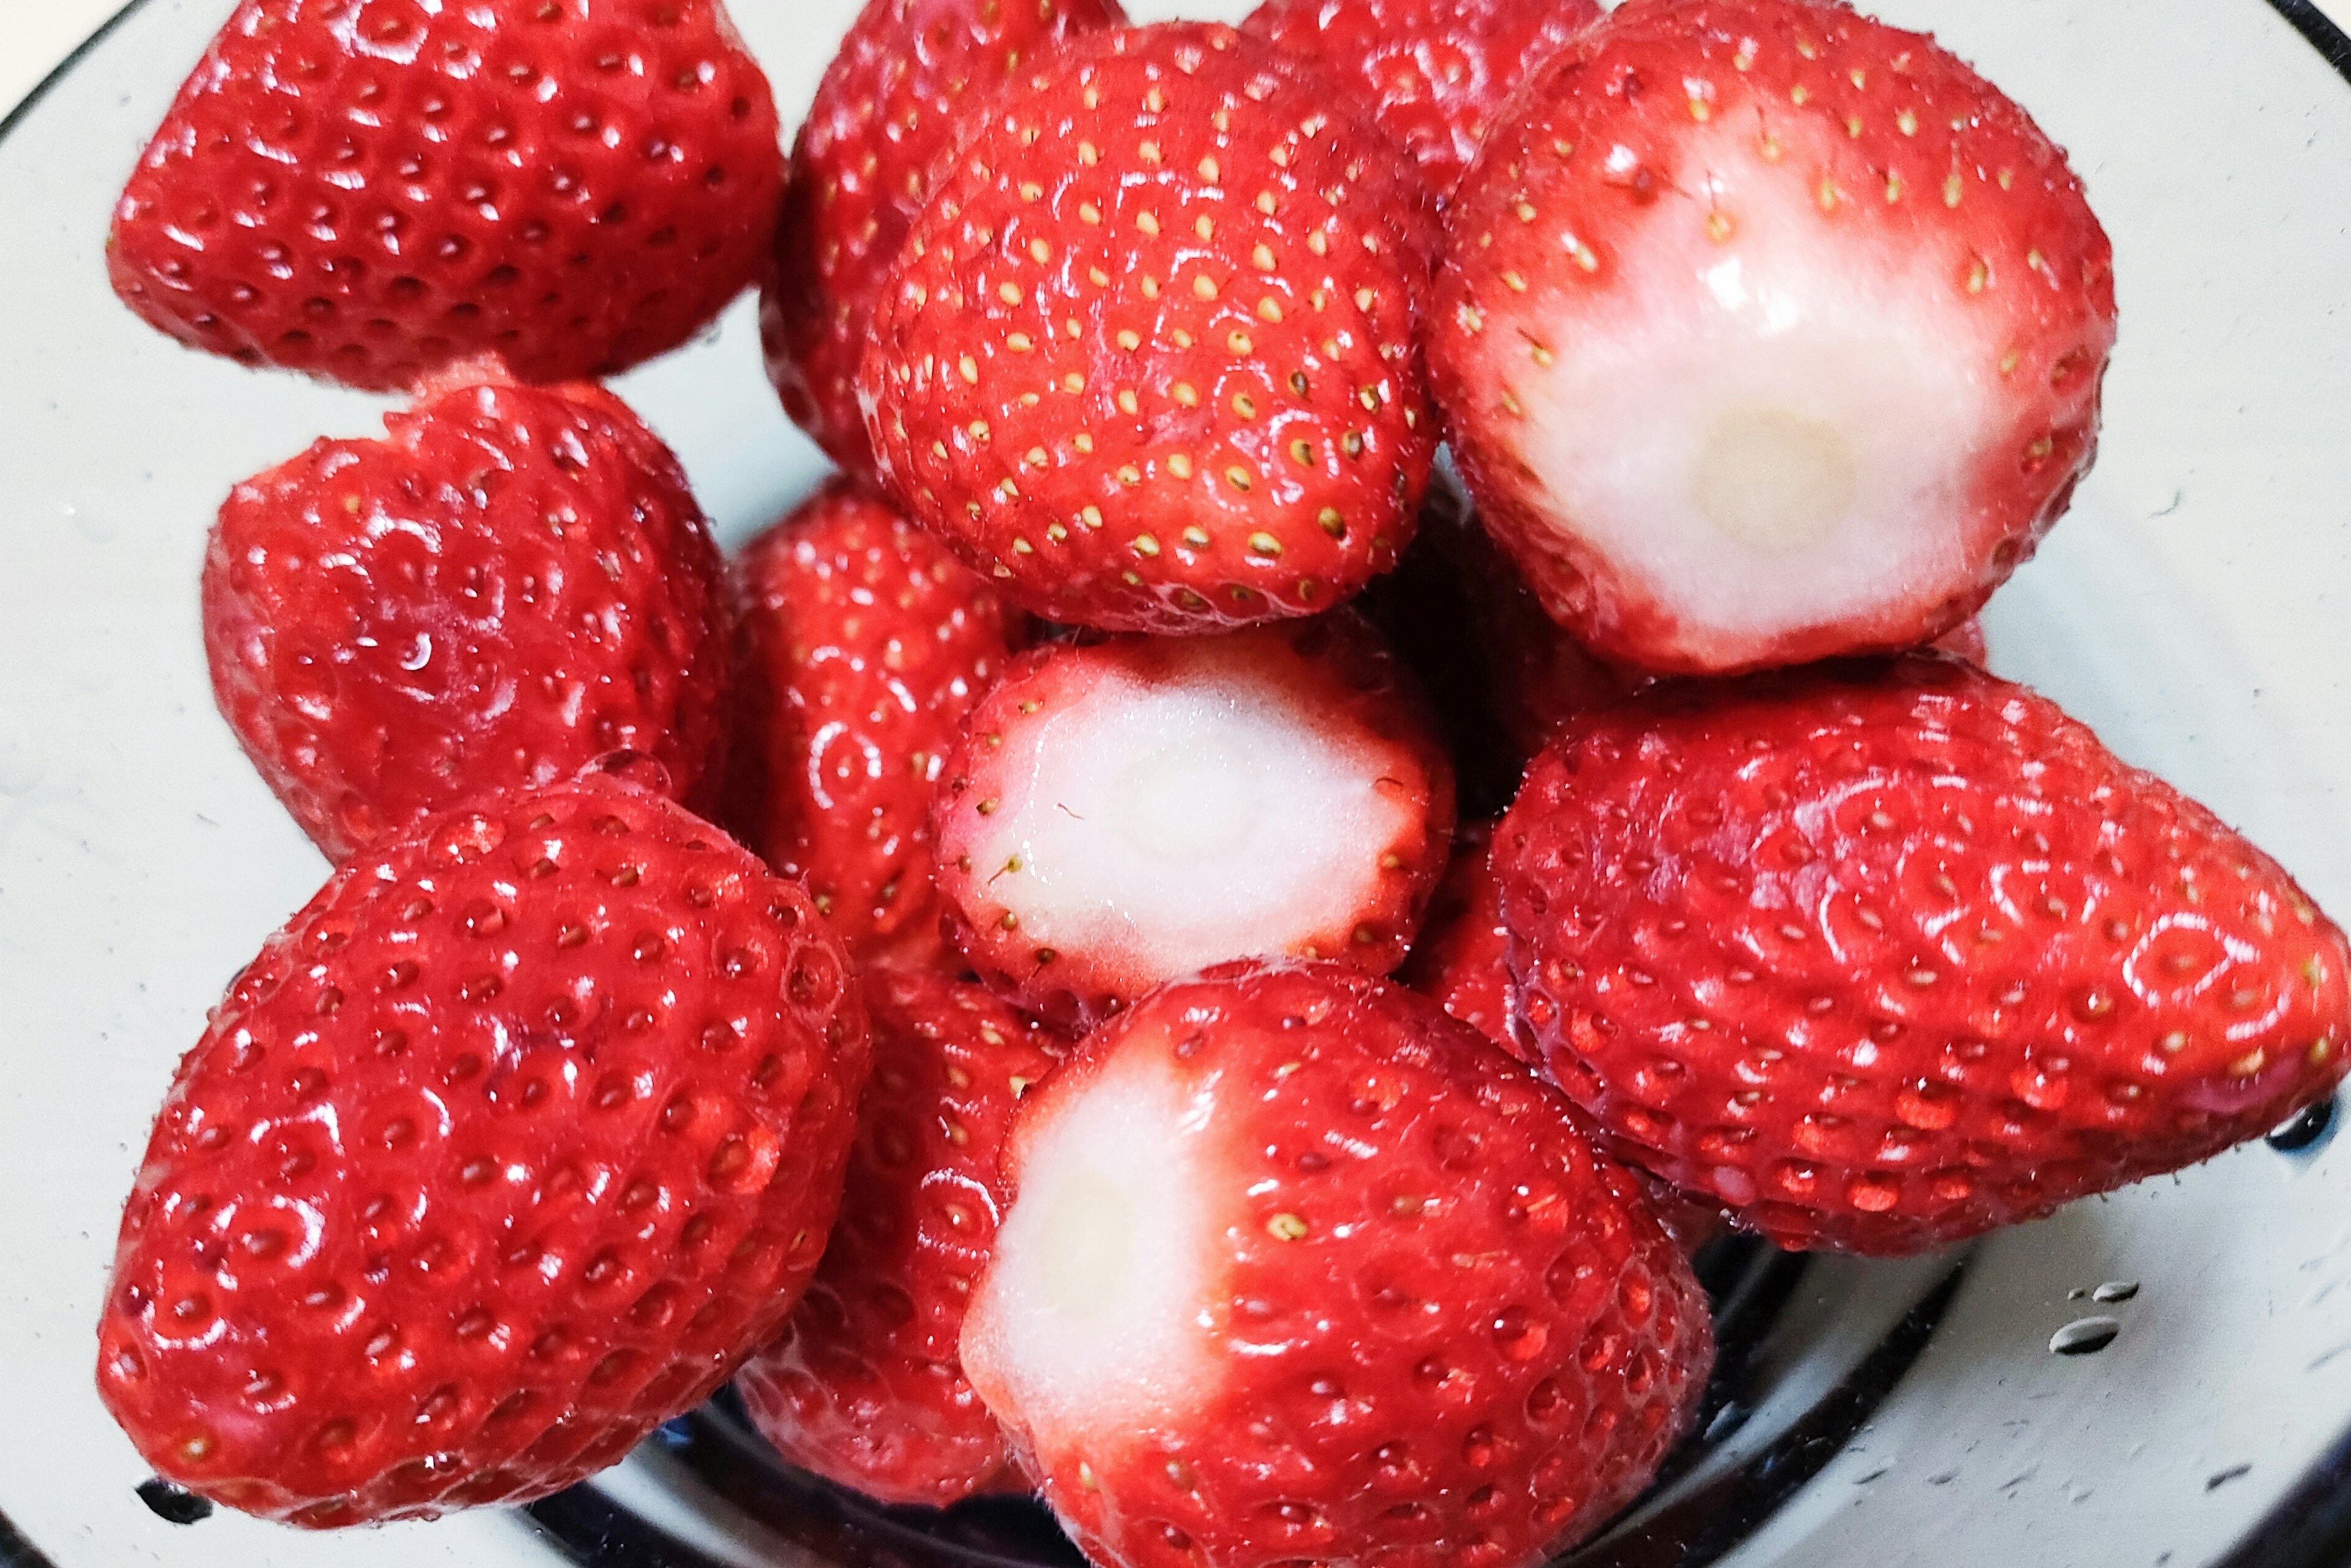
{"x": 1434, "y": 73}
{"x": 866, "y": 1387}
{"x": 371, "y": 193}
{"x": 1766, "y": 333}
{"x": 863, "y": 644}
{"x": 514, "y": 582}
{"x": 1148, "y": 357}
{"x": 908, "y": 75}
{"x": 1880, "y": 956}
{"x": 1461, "y": 961}
{"x": 511, "y": 1146}
{"x": 1119, "y": 812}
{"x": 1379, "y": 1302}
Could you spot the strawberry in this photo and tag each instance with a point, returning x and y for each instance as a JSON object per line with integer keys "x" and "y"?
{"x": 1767, "y": 333}
{"x": 1462, "y": 959}
{"x": 372, "y": 190}
{"x": 866, "y": 1387}
{"x": 511, "y": 1146}
{"x": 907, "y": 76}
{"x": 1148, "y": 358}
{"x": 1435, "y": 72}
{"x": 863, "y": 644}
{"x": 515, "y": 581}
{"x": 1122, "y": 811}
{"x": 1298, "y": 1269}
{"x": 1883, "y": 955}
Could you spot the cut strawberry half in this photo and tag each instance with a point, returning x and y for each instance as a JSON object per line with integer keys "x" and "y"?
{"x": 1119, "y": 812}
{"x": 1766, "y": 333}
{"x": 1298, "y": 1269}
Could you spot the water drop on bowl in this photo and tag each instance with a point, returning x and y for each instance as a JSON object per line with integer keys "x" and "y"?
{"x": 2085, "y": 1337}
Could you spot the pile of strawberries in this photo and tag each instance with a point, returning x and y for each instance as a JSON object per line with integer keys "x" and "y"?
{"x": 930, "y": 968}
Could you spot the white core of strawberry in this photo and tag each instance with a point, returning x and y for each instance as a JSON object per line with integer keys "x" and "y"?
{"x": 1085, "y": 1319}
{"x": 1151, "y": 829}
{"x": 1774, "y": 419}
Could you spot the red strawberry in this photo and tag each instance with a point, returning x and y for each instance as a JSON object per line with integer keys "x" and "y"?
{"x": 864, "y": 643}
{"x": 1881, "y": 956}
{"x": 371, "y": 190}
{"x": 1148, "y": 355}
{"x": 1436, "y": 72}
{"x": 1462, "y": 959}
{"x": 1298, "y": 1269}
{"x": 513, "y": 582}
{"x": 510, "y": 1146}
{"x": 866, "y": 1387}
{"x": 907, "y": 75}
{"x": 1766, "y": 333}
{"x": 1122, "y": 811}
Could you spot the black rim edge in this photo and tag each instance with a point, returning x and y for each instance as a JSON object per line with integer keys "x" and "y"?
{"x": 2334, "y": 44}
{"x": 2310, "y": 1527}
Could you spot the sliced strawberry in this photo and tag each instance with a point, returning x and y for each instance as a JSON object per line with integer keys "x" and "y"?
{"x": 1434, "y": 72}
{"x": 1881, "y": 956}
{"x": 1767, "y": 333}
{"x": 908, "y": 75}
{"x": 509, "y": 1147}
{"x": 1298, "y": 1269}
{"x": 863, "y": 645}
{"x": 866, "y": 1387}
{"x": 372, "y": 190}
{"x": 512, "y": 582}
{"x": 1122, "y": 811}
{"x": 1148, "y": 357}
{"x": 1462, "y": 959}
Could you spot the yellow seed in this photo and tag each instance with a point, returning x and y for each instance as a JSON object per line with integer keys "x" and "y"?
{"x": 1126, "y": 403}
{"x": 1203, "y": 285}
{"x": 1894, "y": 187}
{"x": 1030, "y": 190}
{"x": 1208, "y": 169}
{"x": 1147, "y": 153}
{"x": 969, "y": 369}
{"x": 1155, "y": 101}
{"x": 1196, "y": 537}
{"x": 1205, "y": 227}
{"x": 1037, "y": 457}
{"x": 1262, "y": 258}
{"x": 1541, "y": 355}
{"x": 1950, "y": 190}
{"x": 1717, "y": 225}
{"x": 1516, "y": 284}
{"x": 1906, "y": 122}
{"x": 1332, "y": 523}
{"x": 1180, "y": 466}
{"x": 1022, "y": 546}
{"x": 1186, "y": 394}
{"x": 1073, "y": 383}
{"x": 1286, "y": 1228}
{"x": 1269, "y": 308}
{"x": 1091, "y": 213}
{"x": 1091, "y": 516}
{"x": 1088, "y": 153}
{"x": 1853, "y": 126}
{"x": 1318, "y": 242}
{"x": 1098, "y": 277}
{"x": 1245, "y": 405}
{"x": 1018, "y": 342}
{"x": 1700, "y": 111}
{"x": 1798, "y": 95}
{"x": 1238, "y": 478}
{"x": 1145, "y": 545}
{"x": 1148, "y": 223}
{"x": 1826, "y": 194}
{"x": 1179, "y": 337}
{"x": 1150, "y": 287}
{"x": 1129, "y": 339}
{"x": 1128, "y": 473}
{"x": 1364, "y": 297}
{"x": 1241, "y": 343}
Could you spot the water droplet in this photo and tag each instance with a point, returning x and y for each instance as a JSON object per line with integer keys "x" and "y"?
{"x": 2115, "y": 1290}
{"x": 2307, "y": 1131}
{"x": 170, "y": 1504}
{"x": 2084, "y": 1336}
